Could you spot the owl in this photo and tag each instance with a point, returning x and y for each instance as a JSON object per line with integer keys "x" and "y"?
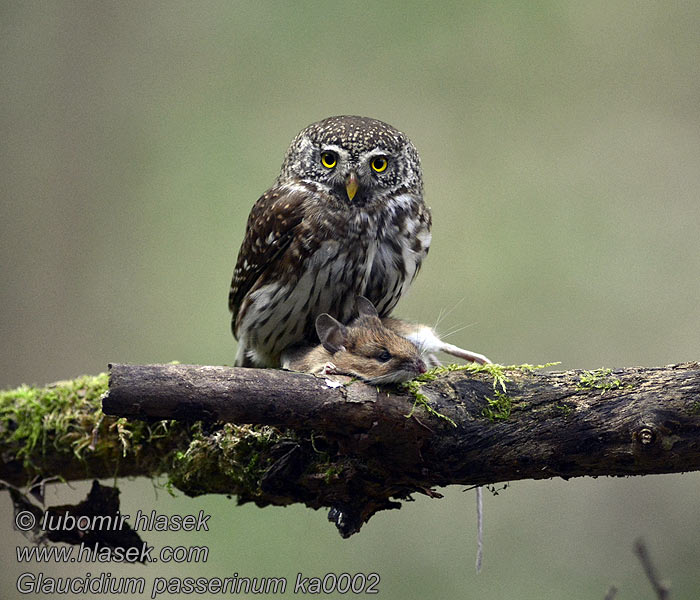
{"x": 345, "y": 218}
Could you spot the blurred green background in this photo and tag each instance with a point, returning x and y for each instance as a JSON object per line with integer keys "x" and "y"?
{"x": 560, "y": 143}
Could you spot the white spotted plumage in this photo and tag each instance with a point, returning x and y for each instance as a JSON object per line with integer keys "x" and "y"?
{"x": 324, "y": 235}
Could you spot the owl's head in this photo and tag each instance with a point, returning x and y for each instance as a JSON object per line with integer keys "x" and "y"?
{"x": 356, "y": 159}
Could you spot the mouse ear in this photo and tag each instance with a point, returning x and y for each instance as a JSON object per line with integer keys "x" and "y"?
{"x": 332, "y": 333}
{"x": 365, "y": 308}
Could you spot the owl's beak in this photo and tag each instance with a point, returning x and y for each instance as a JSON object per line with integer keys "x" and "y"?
{"x": 351, "y": 184}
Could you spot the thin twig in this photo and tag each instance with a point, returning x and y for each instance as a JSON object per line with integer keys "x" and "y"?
{"x": 662, "y": 589}
{"x": 612, "y": 592}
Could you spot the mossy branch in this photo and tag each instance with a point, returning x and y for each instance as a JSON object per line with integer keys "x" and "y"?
{"x": 352, "y": 447}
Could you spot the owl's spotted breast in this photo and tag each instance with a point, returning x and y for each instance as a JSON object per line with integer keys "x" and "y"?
{"x": 311, "y": 246}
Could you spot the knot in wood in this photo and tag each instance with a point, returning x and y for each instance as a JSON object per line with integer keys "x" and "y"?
{"x": 646, "y": 435}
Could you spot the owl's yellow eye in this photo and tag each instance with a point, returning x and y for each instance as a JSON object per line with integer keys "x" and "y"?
{"x": 328, "y": 160}
{"x": 379, "y": 163}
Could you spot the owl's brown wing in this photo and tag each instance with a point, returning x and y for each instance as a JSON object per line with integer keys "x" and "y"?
{"x": 269, "y": 232}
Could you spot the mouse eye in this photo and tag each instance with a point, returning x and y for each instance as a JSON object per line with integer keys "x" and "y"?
{"x": 384, "y": 355}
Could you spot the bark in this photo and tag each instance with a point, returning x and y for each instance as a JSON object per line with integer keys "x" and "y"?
{"x": 274, "y": 437}
{"x": 537, "y": 425}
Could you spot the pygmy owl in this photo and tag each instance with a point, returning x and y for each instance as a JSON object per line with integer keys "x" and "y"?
{"x": 345, "y": 218}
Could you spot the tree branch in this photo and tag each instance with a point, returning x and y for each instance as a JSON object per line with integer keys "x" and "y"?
{"x": 353, "y": 448}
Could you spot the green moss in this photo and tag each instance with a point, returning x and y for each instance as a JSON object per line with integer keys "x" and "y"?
{"x": 332, "y": 472}
{"x": 498, "y": 408}
{"x": 599, "y": 379}
{"x": 422, "y": 400}
{"x": 37, "y": 421}
{"x": 499, "y": 374}
{"x": 564, "y": 408}
{"x": 228, "y": 459}
{"x": 50, "y": 428}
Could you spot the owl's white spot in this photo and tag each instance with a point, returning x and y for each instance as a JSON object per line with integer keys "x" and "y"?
{"x": 379, "y": 251}
{"x": 295, "y": 188}
{"x": 425, "y": 237}
{"x": 322, "y": 274}
{"x": 400, "y": 203}
{"x": 369, "y": 262}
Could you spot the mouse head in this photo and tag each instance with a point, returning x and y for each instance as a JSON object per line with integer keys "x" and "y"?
{"x": 368, "y": 350}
